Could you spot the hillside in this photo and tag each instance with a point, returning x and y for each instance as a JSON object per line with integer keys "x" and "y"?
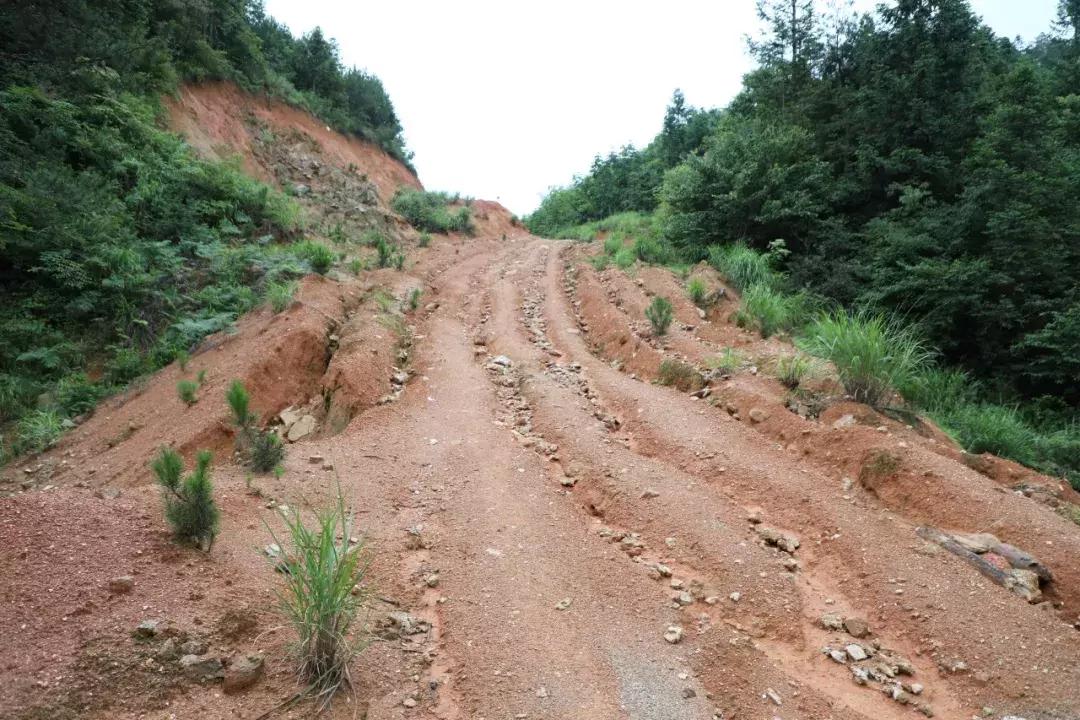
{"x": 552, "y": 533}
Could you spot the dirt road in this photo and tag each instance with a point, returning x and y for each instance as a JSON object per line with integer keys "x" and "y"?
{"x": 557, "y": 536}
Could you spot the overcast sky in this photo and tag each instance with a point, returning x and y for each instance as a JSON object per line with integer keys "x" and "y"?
{"x": 501, "y": 99}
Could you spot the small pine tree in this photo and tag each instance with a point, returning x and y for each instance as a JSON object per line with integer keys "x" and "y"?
{"x": 189, "y": 503}
{"x": 659, "y": 315}
{"x": 239, "y": 403}
{"x": 186, "y": 389}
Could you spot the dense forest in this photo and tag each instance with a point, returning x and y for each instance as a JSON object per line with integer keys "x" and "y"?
{"x": 910, "y": 161}
{"x": 119, "y": 249}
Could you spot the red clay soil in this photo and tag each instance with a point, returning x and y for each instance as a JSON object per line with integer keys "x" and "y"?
{"x": 552, "y": 534}
{"x": 214, "y": 119}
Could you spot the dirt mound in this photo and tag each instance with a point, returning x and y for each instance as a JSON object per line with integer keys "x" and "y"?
{"x": 220, "y": 120}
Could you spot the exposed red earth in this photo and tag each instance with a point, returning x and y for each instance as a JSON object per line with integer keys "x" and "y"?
{"x": 553, "y": 534}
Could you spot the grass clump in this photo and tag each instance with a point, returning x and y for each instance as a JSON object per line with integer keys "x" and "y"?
{"x": 624, "y": 258}
{"x": 280, "y": 295}
{"x": 324, "y": 590}
{"x": 698, "y": 291}
{"x": 872, "y": 354}
{"x": 432, "y": 211}
{"x": 187, "y": 390}
{"x": 726, "y": 362}
{"x": 612, "y": 245}
{"x": 678, "y": 374}
{"x": 317, "y": 255}
{"x": 769, "y": 311}
{"x": 994, "y": 429}
{"x": 424, "y": 240}
{"x": 240, "y": 404}
{"x": 38, "y": 430}
{"x": 189, "y": 502}
{"x": 742, "y": 266}
{"x": 413, "y": 301}
{"x": 659, "y": 315}
{"x": 791, "y": 370}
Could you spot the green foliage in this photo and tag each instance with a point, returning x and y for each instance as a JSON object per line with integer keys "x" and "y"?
{"x": 315, "y": 254}
{"x": 265, "y": 450}
{"x": 414, "y": 299}
{"x": 182, "y": 359}
{"x": 280, "y": 295}
{"x": 432, "y": 211}
{"x": 991, "y": 428}
{"x": 659, "y": 315}
{"x": 189, "y": 503}
{"x": 650, "y": 250}
{"x": 612, "y": 244}
{"x": 324, "y": 590}
{"x": 38, "y": 430}
{"x": 240, "y": 404}
{"x": 792, "y": 369}
{"x": 770, "y": 311}
{"x": 742, "y": 266}
{"x": 624, "y": 258}
{"x": 187, "y": 390}
{"x": 424, "y": 240}
{"x": 726, "y": 362}
{"x": 937, "y": 389}
{"x": 678, "y": 374}
{"x": 697, "y": 290}
{"x": 872, "y": 354}
{"x": 76, "y": 395}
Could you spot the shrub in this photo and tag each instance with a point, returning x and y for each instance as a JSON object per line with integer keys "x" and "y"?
{"x": 189, "y": 503}
{"x": 424, "y": 240}
{"x": 356, "y": 265}
{"x": 650, "y": 250}
{"x": 791, "y": 370}
{"x": 994, "y": 429}
{"x": 280, "y": 295}
{"x": 240, "y": 404}
{"x": 726, "y": 362}
{"x": 182, "y": 359}
{"x": 612, "y": 244}
{"x": 742, "y": 266}
{"x": 600, "y": 262}
{"x": 324, "y": 590}
{"x": 430, "y": 211}
{"x": 414, "y": 298}
{"x": 770, "y": 311}
{"x": 317, "y": 255}
{"x": 659, "y": 315}
{"x": 38, "y": 430}
{"x": 680, "y": 375}
{"x": 186, "y": 389}
{"x": 937, "y": 389}
{"x": 697, "y": 290}
{"x": 872, "y": 353}
{"x": 200, "y": 377}
{"x": 624, "y": 258}
{"x": 265, "y": 451}
{"x": 76, "y": 395}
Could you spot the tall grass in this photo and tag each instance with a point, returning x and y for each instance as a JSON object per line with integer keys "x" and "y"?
{"x": 280, "y": 295}
{"x": 791, "y": 370}
{"x": 697, "y": 290}
{"x": 872, "y": 354}
{"x": 770, "y": 311}
{"x": 742, "y": 266}
{"x": 994, "y": 429}
{"x": 324, "y": 590}
{"x": 937, "y": 389}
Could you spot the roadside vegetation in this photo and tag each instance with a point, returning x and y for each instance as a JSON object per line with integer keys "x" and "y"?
{"x": 938, "y": 271}
{"x": 120, "y": 250}
{"x": 433, "y": 212}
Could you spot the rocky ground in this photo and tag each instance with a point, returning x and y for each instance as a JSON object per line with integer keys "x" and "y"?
{"x": 552, "y": 534}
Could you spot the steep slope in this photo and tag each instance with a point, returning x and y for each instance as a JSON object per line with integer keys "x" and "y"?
{"x": 554, "y": 535}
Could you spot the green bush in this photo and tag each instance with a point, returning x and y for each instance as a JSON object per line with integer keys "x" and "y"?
{"x": 872, "y": 354}
{"x": 994, "y": 429}
{"x": 324, "y": 590}
{"x": 791, "y": 370}
{"x": 936, "y": 389}
{"x": 431, "y": 211}
{"x": 612, "y": 244}
{"x": 726, "y": 362}
{"x": 189, "y": 503}
{"x": 414, "y": 299}
{"x": 659, "y": 315}
{"x": 76, "y": 395}
{"x": 317, "y": 255}
{"x": 424, "y": 240}
{"x": 697, "y": 290}
{"x": 770, "y": 311}
{"x": 39, "y": 430}
{"x": 650, "y": 250}
{"x": 600, "y": 262}
{"x": 742, "y": 266}
{"x": 678, "y": 374}
{"x": 280, "y": 295}
{"x": 624, "y": 258}
{"x": 265, "y": 450}
{"x": 187, "y": 389}
{"x": 240, "y": 403}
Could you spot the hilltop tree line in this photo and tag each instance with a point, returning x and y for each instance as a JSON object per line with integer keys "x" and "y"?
{"x": 910, "y": 159}
{"x": 147, "y": 47}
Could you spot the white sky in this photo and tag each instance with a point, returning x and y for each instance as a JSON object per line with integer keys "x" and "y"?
{"x": 501, "y": 99}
